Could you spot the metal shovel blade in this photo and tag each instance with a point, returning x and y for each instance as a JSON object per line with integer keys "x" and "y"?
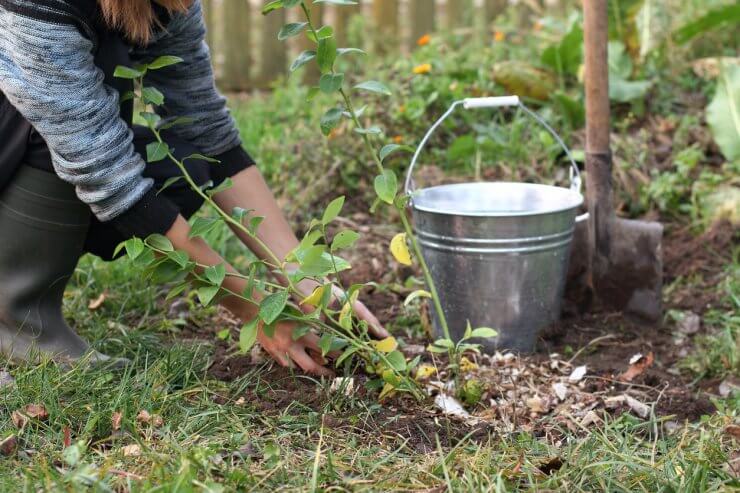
{"x": 632, "y": 281}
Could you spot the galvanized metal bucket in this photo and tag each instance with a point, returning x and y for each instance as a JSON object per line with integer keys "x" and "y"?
{"x": 498, "y": 252}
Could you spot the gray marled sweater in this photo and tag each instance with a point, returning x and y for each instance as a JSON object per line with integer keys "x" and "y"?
{"x": 47, "y": 73}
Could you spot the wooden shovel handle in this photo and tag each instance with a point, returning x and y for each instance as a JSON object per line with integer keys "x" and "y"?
{"x": 599, "y": 194}
{"x": 596, "y": 38}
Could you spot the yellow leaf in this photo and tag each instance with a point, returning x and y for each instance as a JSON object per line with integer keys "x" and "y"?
{"x": 314, "y": 298}
{"x": 386, "y": 345}
{"x": 387, "y": 390}
{"x": 466, "y": 365}
{"x": 400, "y": 250}
{"x": 425, "y": 371}
{"x": 345, "y": 316}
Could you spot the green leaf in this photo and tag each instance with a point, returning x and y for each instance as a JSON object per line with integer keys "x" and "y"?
{"x": 126, "y": 96}
{"x": 180, "y": 120}
{"x": 134, "y": 247}
{"x": 239, "y": 213}
{"x": 325, "y": 343}
{"x": 215, "y": 274}
{"x": 254, "y": 223}
{"x": 326, "y": 54}
{"x": 248, "y": 335}
{"x": 566, "y": 56}
{"x": 484, "y": 332}
{"x": 156, "y": 151}
{"x": 344, "y": 239}
{"x": 374, "y": 130}
{"x": 349, "y": 51}
{"x": 620, "y": 69}
{"x": 164, "y": 61}
{"x": 337, "y": 2}
{"x": 169, "y": 182}
{"x": 397, "y": 360}
{"x": 445, "y": 343}
{"x": 272, "y": 306}
{"x": 373, "y": 86}
{"x": 389, "y": 149}
{"x": 152, "y": 95}
{"x": 330, "y": 120}
{"x": 312, "y": 93}
{"x": 201, "y": 157}
{"x": 723, "y": 112}
{"x": 330, "y": 83}
{"x": 274, "y": 5}
{"x": 299, "y": 332}
{"x": 201, "y": 226}
{"x": 206, "y": 294}
{"x": 179, "y": 257}
{"x": 150, "y": 118}
{"x": 291, "y": 29}
{"x": 728, "y": 14}
{"x": 222, "y": 187}
{"x": 346, "y": 354}
{"x": 160, "y": 242}
{"x": 332, "y": 210}
{"x": 123, "y": 72}
{"x": 290, "y": 3}
{"x": 386, "y": 186}
{"x": 323, "y": 33}
{"x": 302, "y": 59}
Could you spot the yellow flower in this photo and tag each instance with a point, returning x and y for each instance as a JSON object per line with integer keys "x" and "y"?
{"x": 537, "y": 26}
{"x": 499, "y": 36}
{"x": 424, "y": 40}
{"x": 402, "y": 108}
{"x": 398, "y": 139}
{"x": 424, "y": 68}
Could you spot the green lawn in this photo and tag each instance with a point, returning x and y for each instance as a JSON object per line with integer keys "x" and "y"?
{"x": 193, "y": 414}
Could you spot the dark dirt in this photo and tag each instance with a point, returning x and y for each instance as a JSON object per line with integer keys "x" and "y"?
{"x": 605, "y": 342}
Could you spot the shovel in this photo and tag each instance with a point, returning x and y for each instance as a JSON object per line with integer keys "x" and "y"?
{"x": 625, "y": 260}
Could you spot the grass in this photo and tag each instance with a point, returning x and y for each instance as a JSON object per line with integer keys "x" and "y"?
{"x": 219, "y": 436}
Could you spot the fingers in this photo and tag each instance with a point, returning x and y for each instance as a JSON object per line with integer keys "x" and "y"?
{"x": 307, "y": 364}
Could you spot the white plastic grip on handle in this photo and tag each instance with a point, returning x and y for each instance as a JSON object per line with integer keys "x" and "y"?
{"x": 490, "y": 102}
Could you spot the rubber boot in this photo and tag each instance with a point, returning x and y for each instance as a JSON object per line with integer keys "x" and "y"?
{"x": 43, "y": 226}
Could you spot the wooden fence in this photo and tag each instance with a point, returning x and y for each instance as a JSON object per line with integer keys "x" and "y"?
{"x": 248, "y": 55}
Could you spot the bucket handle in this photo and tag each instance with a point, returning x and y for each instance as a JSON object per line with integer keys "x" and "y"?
{"x": 493, "y": 102}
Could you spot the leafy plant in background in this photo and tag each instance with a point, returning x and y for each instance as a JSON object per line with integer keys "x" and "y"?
{"x": 332, "y": 81}
{"x": 723, "y": 112}
{"x": 316, "y": 257}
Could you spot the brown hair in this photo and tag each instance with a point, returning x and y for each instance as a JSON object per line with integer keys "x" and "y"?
{"x": 136, "y": 18}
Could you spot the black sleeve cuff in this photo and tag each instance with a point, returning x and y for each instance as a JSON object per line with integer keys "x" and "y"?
{"x": 151, "y": 214}
{"x": 232, "y": 162}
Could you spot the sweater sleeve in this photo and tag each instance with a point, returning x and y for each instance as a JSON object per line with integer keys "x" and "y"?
{"x": 48, "y": 74}
{"x": 189, "y": 90}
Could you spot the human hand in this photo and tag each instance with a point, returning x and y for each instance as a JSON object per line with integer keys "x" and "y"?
{"x": 363, "y": 312}
{"x": 283, "y": 349}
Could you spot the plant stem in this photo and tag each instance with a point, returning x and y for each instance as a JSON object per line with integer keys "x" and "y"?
{"x": 427, "y": 273}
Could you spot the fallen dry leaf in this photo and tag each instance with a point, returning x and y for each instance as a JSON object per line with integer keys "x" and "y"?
{"x": 97, "y": 302}
{"x": 145, "y": 418}
{"x": 67, "y": 437}
{"x": 132, "y": 450}
{"x": 8, "y": 445}
{"x": 577, "y": 374}
{"x": 536, "y": 404}
{"x": 115, "y": 420}
{"x": 733, "y": 431}
{"x": 561, "y": 390}
{"x": 638, "y": 365}
{"x": 450, "y": 406}
{"x": 590, "y": 418}
{"x": 32, "y": 411}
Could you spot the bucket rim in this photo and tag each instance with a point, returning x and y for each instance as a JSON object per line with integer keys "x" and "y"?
{"x": 434, "y": 210}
